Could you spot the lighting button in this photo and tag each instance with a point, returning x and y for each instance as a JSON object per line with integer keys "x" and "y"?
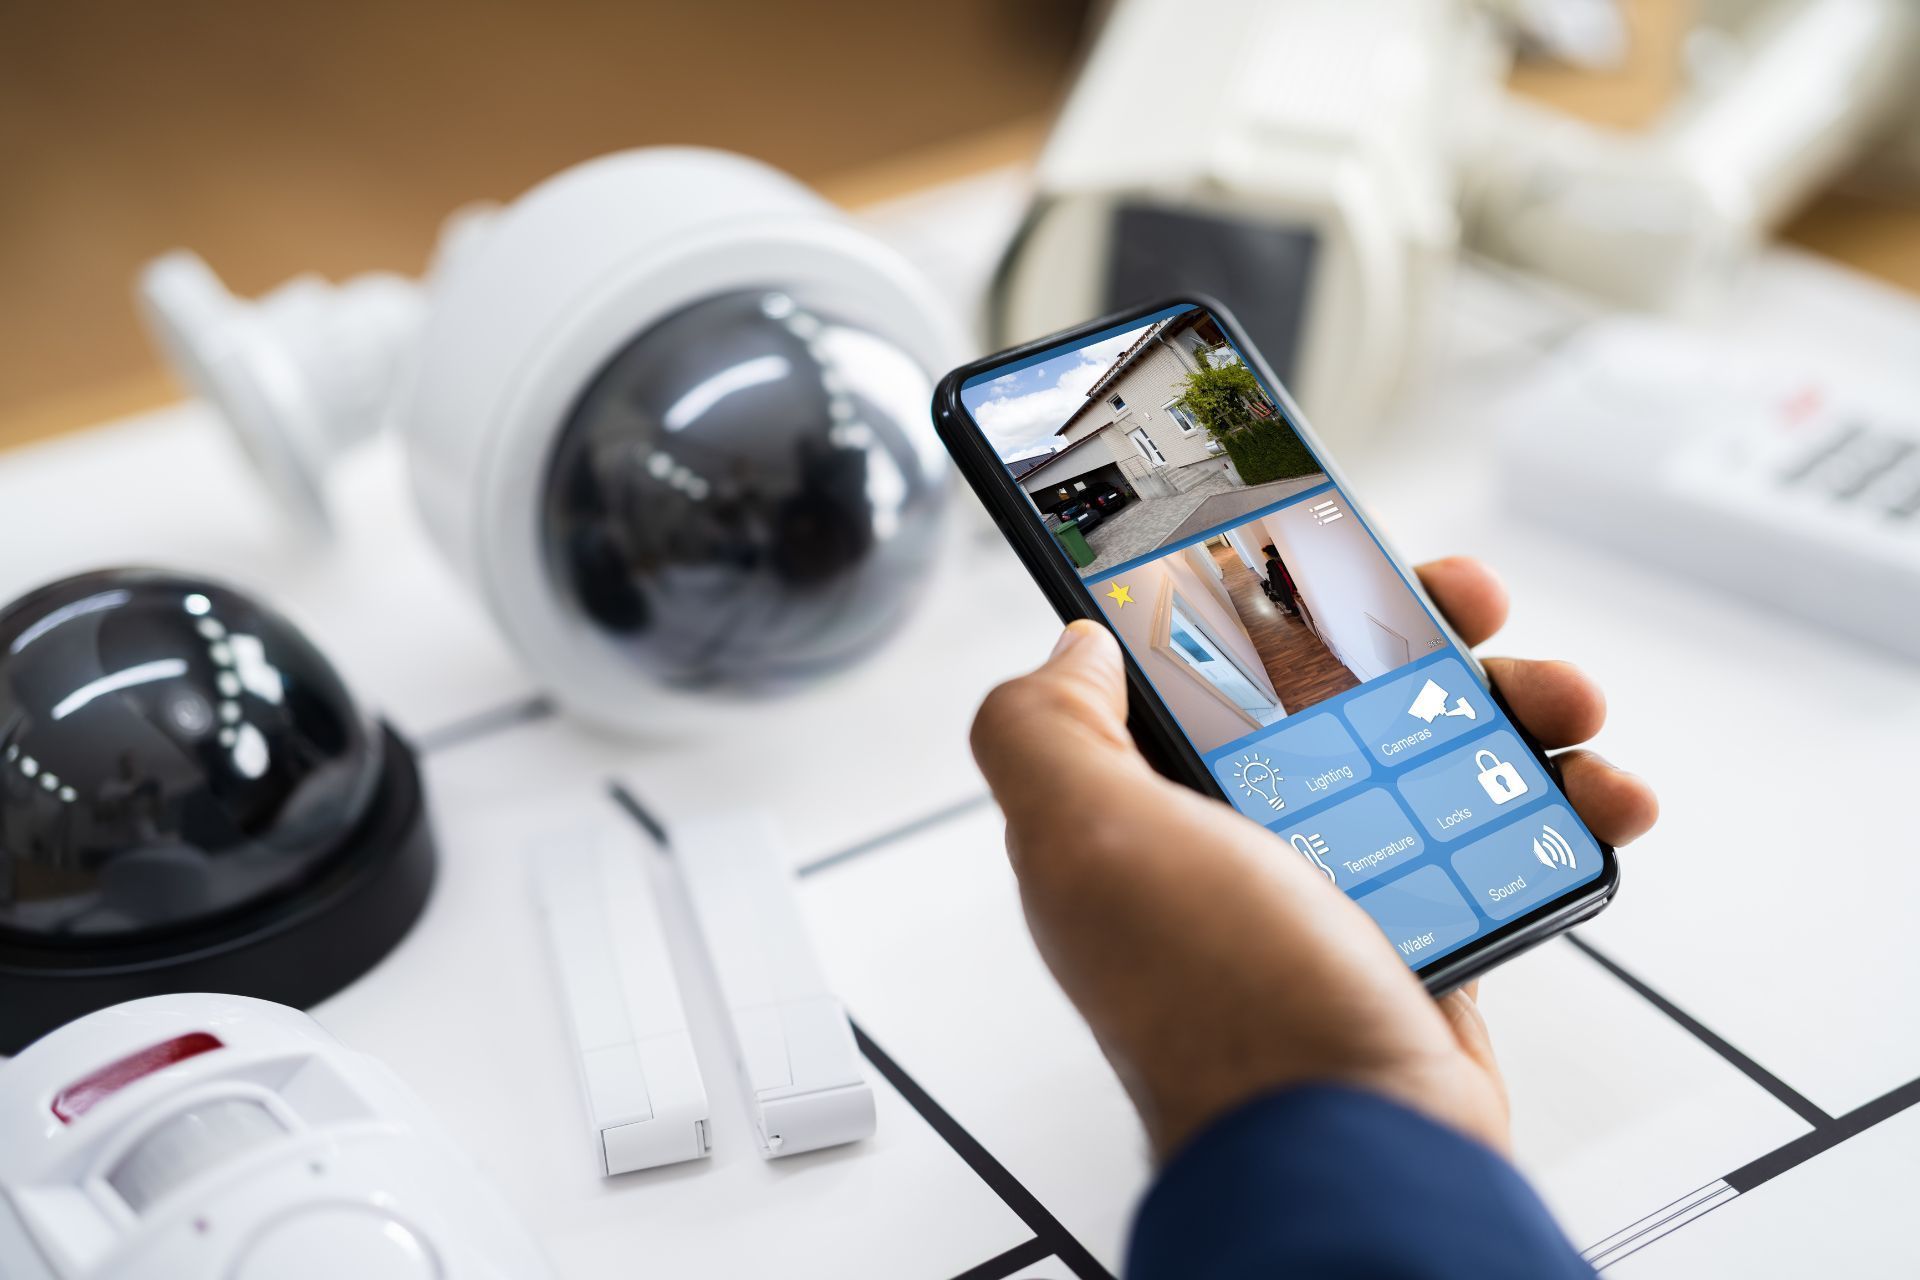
{"x": 1298, "y": 765}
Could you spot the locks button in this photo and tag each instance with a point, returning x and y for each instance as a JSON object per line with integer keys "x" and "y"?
{"x": 1489, "y": 777}
{"x": 1500, "y": 780}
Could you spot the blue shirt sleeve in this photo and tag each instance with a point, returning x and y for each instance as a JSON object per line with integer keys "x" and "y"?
{"x": 1327, "y": 1183}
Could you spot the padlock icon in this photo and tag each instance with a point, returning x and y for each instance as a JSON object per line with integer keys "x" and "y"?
{"x": 1500, "y": 780}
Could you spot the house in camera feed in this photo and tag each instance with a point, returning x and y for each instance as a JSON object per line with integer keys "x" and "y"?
{"x": 1128, "y": 435}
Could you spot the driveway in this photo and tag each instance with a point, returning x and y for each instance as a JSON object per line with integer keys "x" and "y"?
{"x": 1147, "y": 524}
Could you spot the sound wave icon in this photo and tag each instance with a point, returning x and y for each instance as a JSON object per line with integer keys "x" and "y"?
{"x": 1552, "y": 849}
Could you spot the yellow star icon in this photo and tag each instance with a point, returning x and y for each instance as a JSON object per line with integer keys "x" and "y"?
{"x": 1121, "y": 596}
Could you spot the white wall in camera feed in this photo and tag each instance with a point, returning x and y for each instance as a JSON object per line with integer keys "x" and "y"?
{"x": 1199, "y": 711}
{"x": 1350, "y": 587}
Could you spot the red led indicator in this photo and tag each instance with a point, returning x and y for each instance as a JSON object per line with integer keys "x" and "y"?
{"x": 86, "y": 1093}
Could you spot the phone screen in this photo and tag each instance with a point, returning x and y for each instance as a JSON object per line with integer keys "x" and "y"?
{"x": 1311, "y": 678}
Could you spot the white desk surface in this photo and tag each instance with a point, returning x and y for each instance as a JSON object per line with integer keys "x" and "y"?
{"x": 1772, "y": 909}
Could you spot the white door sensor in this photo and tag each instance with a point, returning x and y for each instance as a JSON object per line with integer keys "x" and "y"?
{"x": 646, "y": 1102}
{"x": 798, "y": 1063}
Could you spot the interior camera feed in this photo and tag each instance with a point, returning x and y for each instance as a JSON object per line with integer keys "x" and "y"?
{"x": 1311, "y": 678}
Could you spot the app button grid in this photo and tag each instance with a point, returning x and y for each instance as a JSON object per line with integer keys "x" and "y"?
{"x": 1414, "y": 794}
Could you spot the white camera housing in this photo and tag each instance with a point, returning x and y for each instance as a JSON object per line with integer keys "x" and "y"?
{"x": 524, "y": 308}
{"x": 193, "y": 1136}
{"x": 1324, "y": 133}
{"x": 1203, "y": 150}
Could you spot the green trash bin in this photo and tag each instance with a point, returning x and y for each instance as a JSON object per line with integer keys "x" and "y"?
{"x": 1068, "y": 535}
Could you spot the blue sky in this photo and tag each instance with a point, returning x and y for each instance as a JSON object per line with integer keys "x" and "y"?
{"x": 1020, "y": 411}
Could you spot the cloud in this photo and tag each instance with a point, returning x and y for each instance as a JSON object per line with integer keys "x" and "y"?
{"x": 1023, "y": 425}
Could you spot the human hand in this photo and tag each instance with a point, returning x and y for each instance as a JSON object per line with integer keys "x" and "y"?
{"x": 1211, "y": 967}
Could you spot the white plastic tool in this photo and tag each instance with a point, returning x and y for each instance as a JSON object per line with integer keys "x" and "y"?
{"x": 799, "y": 1067}
{"x": 1749, "y": 469}
{"x": 646, "y": 1101}
{"x": 190, "y": 1136}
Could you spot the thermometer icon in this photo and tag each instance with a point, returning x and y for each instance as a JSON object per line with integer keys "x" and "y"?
{"x": 1314, "y": 850}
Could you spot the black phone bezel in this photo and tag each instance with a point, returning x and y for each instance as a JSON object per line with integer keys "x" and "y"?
{"x": 1152, "y": 725}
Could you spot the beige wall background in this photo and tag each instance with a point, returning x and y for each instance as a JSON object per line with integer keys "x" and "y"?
{"x": 334, "y": 137}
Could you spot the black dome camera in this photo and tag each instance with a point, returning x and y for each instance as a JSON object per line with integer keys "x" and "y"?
{"x": 190, "y": 800}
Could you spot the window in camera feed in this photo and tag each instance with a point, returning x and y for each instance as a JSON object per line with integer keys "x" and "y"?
{"x": 1312, "y": 680}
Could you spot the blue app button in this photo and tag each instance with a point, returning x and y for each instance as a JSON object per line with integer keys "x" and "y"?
{"x": 1412, "y": 714}
{"x": 1470, "y": 786}
{"x": 1357, "y": 840}
{"x": 1295, "y": 766}
{"x": 1524, "y": 865}
{"x": 1422, "y": 914}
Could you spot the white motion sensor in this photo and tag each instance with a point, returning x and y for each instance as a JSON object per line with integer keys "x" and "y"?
{"x": 653, "y": 357}
{"x": 198, "y": 1136}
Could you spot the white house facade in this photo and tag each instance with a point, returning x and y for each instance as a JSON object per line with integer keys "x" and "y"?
{"x": 1130, "y": 430}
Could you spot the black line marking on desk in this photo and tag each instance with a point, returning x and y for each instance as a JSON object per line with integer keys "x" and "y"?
{"x": 1825, "y": 1137}
{"x": 873, "y": 844}
{"x": 484, "y": 724}
{"x": 1668, "y": 1218}
{"x": 1696, "y": 1205}
{"x": 1783, "y": 1093}
{"x": 1021, "y": 1255}
{"x": 642, "y": 815}
{"x": 1054, "y": 1237}
{"x": 1828, "y": 1131}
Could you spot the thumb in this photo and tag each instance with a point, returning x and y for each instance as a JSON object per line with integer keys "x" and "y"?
{"x": 1072, "y": 710}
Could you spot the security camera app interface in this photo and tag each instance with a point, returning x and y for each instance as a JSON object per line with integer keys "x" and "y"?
{"x": 1307, "y": 673}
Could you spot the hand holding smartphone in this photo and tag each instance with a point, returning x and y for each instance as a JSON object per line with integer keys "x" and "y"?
{"x": 1154, "y": 477}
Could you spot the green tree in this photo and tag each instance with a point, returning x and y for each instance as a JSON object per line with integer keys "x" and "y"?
{"x": 1222, "y": 398}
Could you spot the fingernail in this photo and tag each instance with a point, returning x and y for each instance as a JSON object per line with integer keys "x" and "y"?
{"x": 1068, "y": 638}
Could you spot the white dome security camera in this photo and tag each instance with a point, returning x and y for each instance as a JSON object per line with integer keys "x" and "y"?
{"x": 666, "y": 412}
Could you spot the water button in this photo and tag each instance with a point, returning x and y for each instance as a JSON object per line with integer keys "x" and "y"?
{"x": 1422, "y": 914}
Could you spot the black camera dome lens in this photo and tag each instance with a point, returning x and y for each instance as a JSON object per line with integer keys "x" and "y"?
{"x": 747, "y": 494}
{"x": 170, "y": 751}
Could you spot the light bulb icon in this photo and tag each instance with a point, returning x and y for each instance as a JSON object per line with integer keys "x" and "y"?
{"x": 1314, "y": 850}
{"x": 1256, "y": 776}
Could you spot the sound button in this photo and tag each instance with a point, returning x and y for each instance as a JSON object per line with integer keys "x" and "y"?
{"x": 1523, "y": 865}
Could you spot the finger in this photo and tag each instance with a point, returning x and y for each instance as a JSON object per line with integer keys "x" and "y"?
{"x": 1470, "y": 594}
{"x": 1045, "y": 731}
{"x": 1469, "y": 1026}
{"x": 1557, "y": 702}
{"x": 1617, "y": 806}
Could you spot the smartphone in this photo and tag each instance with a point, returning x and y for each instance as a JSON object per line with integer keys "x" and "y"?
{"x": 1153, "y": 475}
